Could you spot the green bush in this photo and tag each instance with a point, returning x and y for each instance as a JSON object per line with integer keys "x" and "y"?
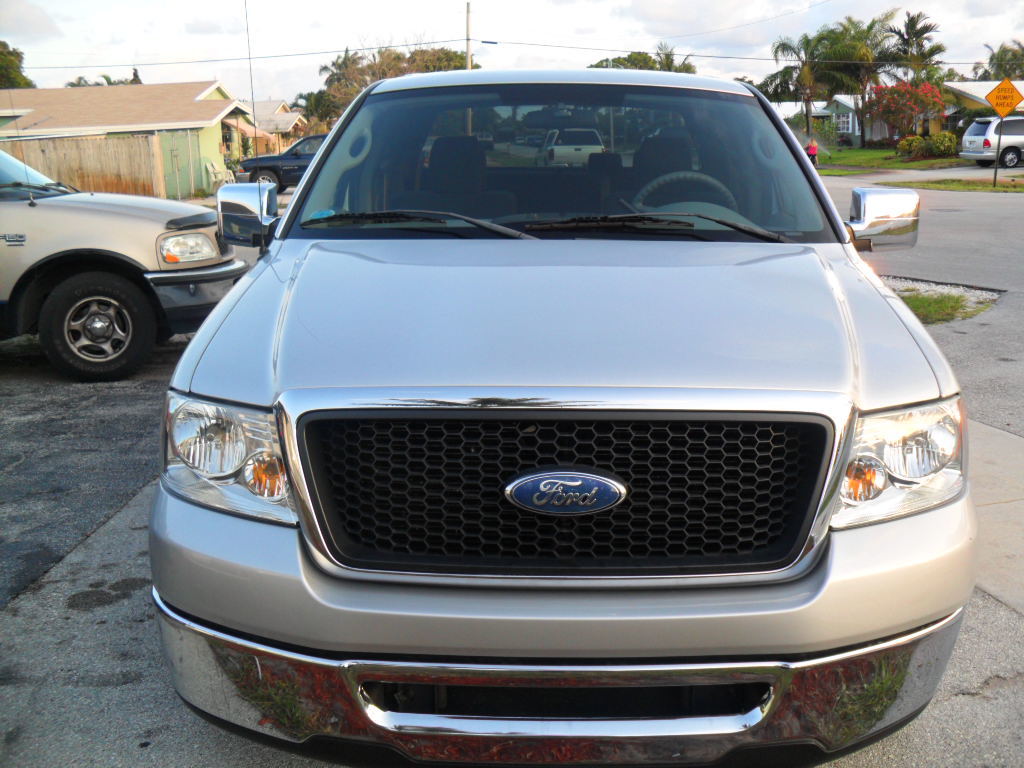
{"x": 921, "y": 149}
{"x": 909, "y": 146}
{"x": 943, "y": 144}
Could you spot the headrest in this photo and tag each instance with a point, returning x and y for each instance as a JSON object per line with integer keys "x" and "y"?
{"x": 658, "y": 155}
{"x": 604, "y": 163}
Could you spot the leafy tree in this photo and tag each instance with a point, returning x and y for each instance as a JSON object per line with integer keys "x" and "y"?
{"x": 903, "y": 104}
{"x": 437, "y": 60}
{"x": 350, "y": 73}
{"x": 914, "y": 47}
{"x": 81, "y": 81}
{"x": 862, "y": 52}
{"x": 634, "y": 60}
{"x": 317, "y": 106}
{"x": 809, "y": 77}
{"x": 663, "y": 60}
{"x": 11, "y": 74}
{"x": 1005, "y": 61}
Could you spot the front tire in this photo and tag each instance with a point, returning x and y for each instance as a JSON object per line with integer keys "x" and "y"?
{"x": 267, "y": 177}
{"x": 97, "y": 326}
{"x": 1010, "y": 158}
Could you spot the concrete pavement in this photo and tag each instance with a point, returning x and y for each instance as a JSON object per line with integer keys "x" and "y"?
{"x": 82, "y": 682}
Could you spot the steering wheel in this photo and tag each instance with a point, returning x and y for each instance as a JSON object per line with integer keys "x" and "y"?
{"x": 692, "y": 176}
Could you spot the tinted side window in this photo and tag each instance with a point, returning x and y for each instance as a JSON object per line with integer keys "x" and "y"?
{"x": 1013, "y": 128}
{"x": 309, "y": 146}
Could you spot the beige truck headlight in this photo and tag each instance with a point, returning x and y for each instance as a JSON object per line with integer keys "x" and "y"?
{"x": 902, "y": 462}
{"x": 226, "y": 457}
{"x": 195, "y": 246}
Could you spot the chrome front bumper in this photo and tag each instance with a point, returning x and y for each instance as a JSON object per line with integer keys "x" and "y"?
{"x": 831, "y": 700}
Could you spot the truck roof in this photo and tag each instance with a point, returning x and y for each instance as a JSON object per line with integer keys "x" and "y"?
{"x": 576, "y": 76}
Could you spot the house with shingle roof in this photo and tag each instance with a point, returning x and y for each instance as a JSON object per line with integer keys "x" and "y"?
{"x": 971, "y": 93}
{"x": 195, "y": 125}
{"x": 276, "y": 117}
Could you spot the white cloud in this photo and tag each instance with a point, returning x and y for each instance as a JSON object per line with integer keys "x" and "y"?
{"x": 27, "y": 22}
{"x": 146, "y": 36}
{"x": 211, "y": 27}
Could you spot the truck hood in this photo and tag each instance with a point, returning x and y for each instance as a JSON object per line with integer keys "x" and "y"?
{"x": 150, "y": 208}
{"x": 560, "y": 313}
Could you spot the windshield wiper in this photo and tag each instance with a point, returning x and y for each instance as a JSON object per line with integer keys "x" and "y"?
{"x": 660, "y": 219}
{"x": 27, "y": 185}
{"x": 383, "y": 217}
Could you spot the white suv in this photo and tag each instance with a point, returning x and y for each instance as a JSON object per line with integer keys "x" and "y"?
{"x": 981, "y": 141}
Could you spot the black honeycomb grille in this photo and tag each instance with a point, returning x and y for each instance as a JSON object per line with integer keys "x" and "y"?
{"x": 427, "y": 494}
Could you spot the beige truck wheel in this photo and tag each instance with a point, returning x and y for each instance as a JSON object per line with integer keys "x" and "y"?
{"x": 97, "y": 326}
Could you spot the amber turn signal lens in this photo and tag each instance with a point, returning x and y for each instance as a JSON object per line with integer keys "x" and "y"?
{"x": 265, "y": 476}
{"x": 865, "y": 479}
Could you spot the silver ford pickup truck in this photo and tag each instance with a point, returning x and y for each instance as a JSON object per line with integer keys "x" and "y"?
{"x": 635, "y": 462}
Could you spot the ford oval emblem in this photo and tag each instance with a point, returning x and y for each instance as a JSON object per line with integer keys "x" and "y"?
{"x": 565, "y": 492}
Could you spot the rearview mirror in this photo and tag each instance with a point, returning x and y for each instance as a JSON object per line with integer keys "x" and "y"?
{"x": 246, "y": 213}
{"x": 883, "y": 219}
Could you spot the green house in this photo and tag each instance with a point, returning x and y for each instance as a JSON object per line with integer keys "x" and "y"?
{"x": 164, "y": 139}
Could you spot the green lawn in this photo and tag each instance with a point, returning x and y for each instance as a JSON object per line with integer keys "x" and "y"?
{"x": 932, "y": 308}
{"x": 883, "y": 158}
{"x": 1011, "y": 184}
{"x": 841, "y": 171}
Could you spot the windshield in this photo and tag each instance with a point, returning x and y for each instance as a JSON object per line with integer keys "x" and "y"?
{"x": 562, "y": 152}
{"x": 16, "y": 179}
{"x": 978, "y": 129}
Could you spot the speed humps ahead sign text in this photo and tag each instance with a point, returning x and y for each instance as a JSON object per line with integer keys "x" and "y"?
{"x": 1004, "y": 97}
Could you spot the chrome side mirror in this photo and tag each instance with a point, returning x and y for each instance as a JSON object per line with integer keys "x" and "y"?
{"x": 247, "y": 213}
{"x": 884, "y": 219}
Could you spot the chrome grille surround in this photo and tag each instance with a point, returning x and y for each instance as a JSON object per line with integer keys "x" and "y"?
{"x": 293, "y": 405}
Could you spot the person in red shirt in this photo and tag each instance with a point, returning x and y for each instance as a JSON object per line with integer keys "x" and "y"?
{"x": 812, "y": 151}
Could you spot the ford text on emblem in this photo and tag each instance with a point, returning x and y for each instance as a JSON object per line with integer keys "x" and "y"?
{"x": 565, "y": 492}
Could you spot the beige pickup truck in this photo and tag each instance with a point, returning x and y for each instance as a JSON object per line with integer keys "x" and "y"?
{"x": 102, "y": 278}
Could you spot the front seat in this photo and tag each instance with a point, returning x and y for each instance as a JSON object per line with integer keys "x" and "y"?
{"x": 454, "y": 182}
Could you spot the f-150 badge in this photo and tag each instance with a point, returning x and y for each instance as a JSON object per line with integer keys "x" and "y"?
{"x": 566, "y": 492}
{"x": 13, "y": 239}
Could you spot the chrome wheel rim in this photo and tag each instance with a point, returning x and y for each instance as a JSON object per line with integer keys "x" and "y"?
{"x": 1011, "y": 159}
{"x": 265, "y": 179}
{"x": 98, "y": 329}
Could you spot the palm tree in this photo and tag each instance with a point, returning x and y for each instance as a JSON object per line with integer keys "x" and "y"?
{"x": 317, "y": 106}
{"x": 914, "y": 49}
{"x": 665, "y": 59}
{"x": 343, "y": 70}
{"x": 1005, "y": 61}
{"x": 809, "y": 77}
{"x": 862, "y": 52}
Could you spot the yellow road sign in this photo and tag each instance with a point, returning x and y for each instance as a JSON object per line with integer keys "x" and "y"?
{"x": 1004, "y": 97}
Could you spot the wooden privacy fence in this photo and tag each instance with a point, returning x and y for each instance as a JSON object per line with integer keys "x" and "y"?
{"x": 126, "y": 164}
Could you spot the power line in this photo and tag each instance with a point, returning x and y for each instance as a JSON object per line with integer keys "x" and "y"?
{"x": 718, "y": 56}
{"x": 246, "y": 58}
{"x": 475, "y": 40}
{"x": 794, "y": 12}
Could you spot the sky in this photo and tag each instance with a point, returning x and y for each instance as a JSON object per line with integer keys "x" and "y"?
{"x": 112, "y": 36}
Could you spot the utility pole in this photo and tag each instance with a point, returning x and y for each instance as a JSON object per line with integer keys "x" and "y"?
{"x": 469, "y": 66}
{"x": 469, "y": 46}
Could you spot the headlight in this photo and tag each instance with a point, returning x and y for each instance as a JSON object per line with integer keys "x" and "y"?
{"x": 903, "y": 462}
{"x": 226, "y": 457}
{"x": 192, "y": 247}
